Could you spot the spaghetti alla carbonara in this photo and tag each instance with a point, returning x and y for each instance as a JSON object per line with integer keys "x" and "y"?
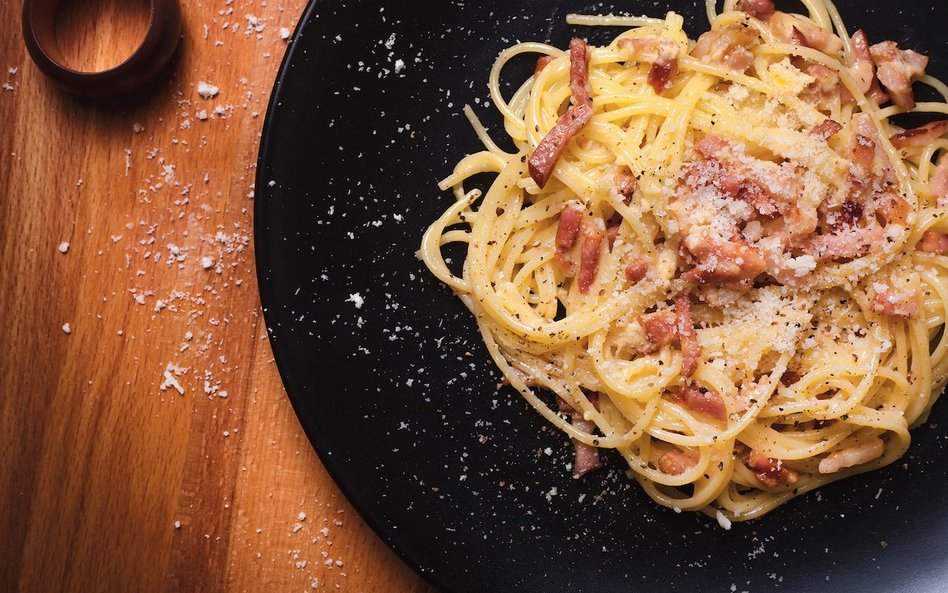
{"x": 721, "y": 258}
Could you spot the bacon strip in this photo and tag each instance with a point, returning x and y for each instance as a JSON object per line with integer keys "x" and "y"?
{"x": 825, "y": 86}
{"x": 852, "y": 456}
{"x": 626, "y": 184}
{"x": 702, "y": 400}
{"x": 711, "y": 146}
{"x": 567, "y": 231}
{"x": 771, "y": 472}
{"x": 579, "y": 72}
{"x": 896, "y": 69}
{"x": 585, "y": 457}
{"x": 792, "y": 28}
{"x": 551, "y": 148}
{"x": 761, "y": 9}
{"x": 864, "y": 126}
{"x": 826, "y": 130}
{"x": 589, "y": 260}
{"x": 663, "y": 70}
{"x": 902, "y": 304}
{"x": 893, "y": 208}
{"x": 666, "y": 326}
{"x": 827, "y": 80}
{"x": 863, "y": 69}
{"x": 542, "y": 62}
{"x": 920, "y": 136}
{"x": 676, "y": 462}
{"x": 730, "y": 46}
{"x": 661, "y": 52}
{"x": 660, "y": 329}
{"x": 847, "y": 243}
{"x": 636, "y": 270}
{"x": 934, "y": 242}
{"x": 863, "y": 152}
{"x": 722, "y": 262}
{"x": 684, "y": 325}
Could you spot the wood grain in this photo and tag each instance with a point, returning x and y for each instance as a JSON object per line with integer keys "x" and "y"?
{"x": 110, "y": 479}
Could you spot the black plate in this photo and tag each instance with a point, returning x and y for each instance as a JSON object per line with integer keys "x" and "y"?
{"x": 398, "y": 396}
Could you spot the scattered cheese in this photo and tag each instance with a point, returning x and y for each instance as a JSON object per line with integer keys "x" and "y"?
{"x": 356, "y": 299}
{"x": 207, "y": 90}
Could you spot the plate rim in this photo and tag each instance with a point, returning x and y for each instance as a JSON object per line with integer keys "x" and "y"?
{"x": 263, "y": 269}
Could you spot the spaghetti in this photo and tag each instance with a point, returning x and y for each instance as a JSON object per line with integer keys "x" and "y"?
{"x": 720, "y": 258}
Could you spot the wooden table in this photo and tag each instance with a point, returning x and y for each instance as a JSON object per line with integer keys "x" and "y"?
{"x": 146, "y": 443}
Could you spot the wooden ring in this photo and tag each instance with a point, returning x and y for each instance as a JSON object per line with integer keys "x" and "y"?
{"x": 159, "y": 44}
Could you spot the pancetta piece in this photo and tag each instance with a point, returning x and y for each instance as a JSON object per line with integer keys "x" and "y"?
{"x": 567, "y": 231}
{"x": 673, "y": 325}
{"x": 825, "y": 86}
{"x": 685, "y": 327}
{"x": 898, "y": 303}
{"x": 676, "y": 462}
{"x": 542, "y": 62}
{"x": 590, "y": 254}
{"x": 660, "y": 52}
{"x": 702, "y": 400}
{"x": 863, "y": 69}
{"x": 897, "y": 69}
{"x": 721, "y": 262}
{"x": 552, "y": 146}
{"x": 730, "y": 46}
{"x": 660, "y": 330}
{"x": 859, "y": 454}
{"x": 892, "y": 208}
{"x": 636, "y": 270}
{"x": 625, "y": 185}
{"x": 761, "y": 9}
{"x": 826, "y": 130}
{"x": 792, "y": 28}
{"x": 934, "y": 242}
{"x": 846, "y": 243}
{"x": 585, "y": 457}
{"x": 921, "y": 136}
{"x": 579, "y": 72}
{"x": 771, "y": 472}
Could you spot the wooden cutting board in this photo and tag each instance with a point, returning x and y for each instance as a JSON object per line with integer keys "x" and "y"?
{"x": 146, "y": 443}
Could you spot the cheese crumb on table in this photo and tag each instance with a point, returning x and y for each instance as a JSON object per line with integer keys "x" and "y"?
{"x": 64, "y": 247}
{"x": 207, "y": 90}
{"x": 67, "y": 328}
